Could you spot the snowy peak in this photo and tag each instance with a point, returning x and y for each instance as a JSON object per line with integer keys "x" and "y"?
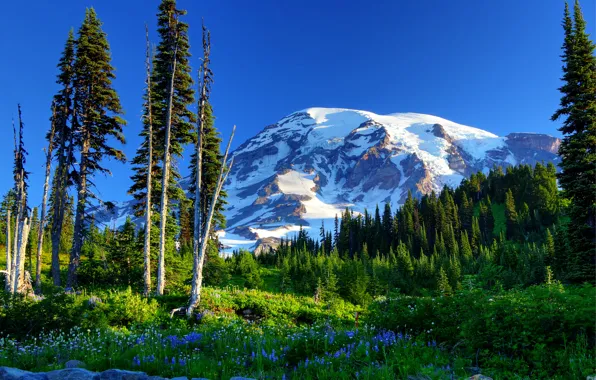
{"x": 310, "y": 165}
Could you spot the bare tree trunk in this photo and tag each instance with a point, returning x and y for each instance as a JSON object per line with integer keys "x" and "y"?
{"x": 59, "y": 205}
{"x": 147, "y": 248}
{"x": 22, "y": 225}
{"x": 42, "y": 219}
{"x": 8, "y": 253}
{"x": 197, "y": 277}
{"x": 57, "y": 219}
{"x": 77, "y": 244}
{"x": 19, "y": 274}
{"x": 204, "y": 79}
{"x": 161, "y": 269}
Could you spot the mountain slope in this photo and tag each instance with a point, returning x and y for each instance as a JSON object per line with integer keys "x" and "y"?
{"x": 312, "y": 164}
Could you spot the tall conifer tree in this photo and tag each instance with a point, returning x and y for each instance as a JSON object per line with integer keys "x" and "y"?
{"x": 97, "y": 119}
{"x": 578, "y": 148}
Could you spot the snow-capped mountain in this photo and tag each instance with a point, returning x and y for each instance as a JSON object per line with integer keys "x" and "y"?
{"x": 311, "y": 165}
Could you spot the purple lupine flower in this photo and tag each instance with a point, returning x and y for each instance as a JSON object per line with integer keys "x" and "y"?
{"x": 193, "y": 337}
{"x": 173, "y": 360}
{"x": 136, "y": 362}
{"x": 182, "y": 362}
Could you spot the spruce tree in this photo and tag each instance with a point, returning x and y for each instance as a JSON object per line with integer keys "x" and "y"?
{"x": 578, "y": 148}
{"x": 466, "y": 249}
{"x": 443, "y": 285}
{"x": 511, "y": 216}
{"x": 97, "y": 109}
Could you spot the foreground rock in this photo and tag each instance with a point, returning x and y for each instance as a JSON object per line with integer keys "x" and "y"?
{"x": 7, "y": 373}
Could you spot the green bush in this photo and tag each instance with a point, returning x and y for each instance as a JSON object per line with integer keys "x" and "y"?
{"x": 531, "y": 325}
{"x": 22, "y": 316}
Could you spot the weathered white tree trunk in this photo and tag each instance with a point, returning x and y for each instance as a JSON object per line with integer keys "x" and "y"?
{"x": 196, "y": 267}
{"x": 161, "y": 269}
{"x": 197, "y": 277}
{"x": 42, "y": 220}
{"x": 17, "y": 234}
{"x": 22, "y": 224}
{"x": 203, "y": 78}
{"x": 147, "y": 247}
{"x": 19, "y": 274}
{"x": 8, "y": 254}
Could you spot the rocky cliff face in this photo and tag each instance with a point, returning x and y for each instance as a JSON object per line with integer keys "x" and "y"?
{"x": 311, "y": 165}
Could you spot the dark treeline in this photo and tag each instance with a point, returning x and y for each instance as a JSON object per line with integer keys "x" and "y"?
{"x": 499, "y": 226}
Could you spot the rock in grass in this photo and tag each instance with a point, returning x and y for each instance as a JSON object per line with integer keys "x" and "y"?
{"x": 74, "y": 364}
{"x": 72, "y": 374}
{"x": 179, "y": 378}
{"x": 93, "y": 301}
{"x": 480, "y": 377}
{"x": 241, "y": 378}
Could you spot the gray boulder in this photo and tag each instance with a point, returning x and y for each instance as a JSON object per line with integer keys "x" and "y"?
{"x": 116, "y": 374}
{"x": 74, "y": 364}
{"x": 7, "y": 373}
{"x": 72, "y": 374}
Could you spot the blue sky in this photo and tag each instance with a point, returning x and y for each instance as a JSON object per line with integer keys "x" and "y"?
{"x": 490, "y": 64}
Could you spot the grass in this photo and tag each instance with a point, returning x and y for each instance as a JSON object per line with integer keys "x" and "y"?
{"x": 295, "y": 337}
{"x": 221, "y": 347}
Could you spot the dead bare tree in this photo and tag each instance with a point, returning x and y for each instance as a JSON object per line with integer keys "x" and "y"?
{"x": 205, "y": 78}
{"x": 197, "y": 277}
{"x": 17, "y": 209}
{"x": 22, "y": 222}
{"x": 44, "y": 201}
{"x": 147, "y": 247}
{"x": 161, "y": 269}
